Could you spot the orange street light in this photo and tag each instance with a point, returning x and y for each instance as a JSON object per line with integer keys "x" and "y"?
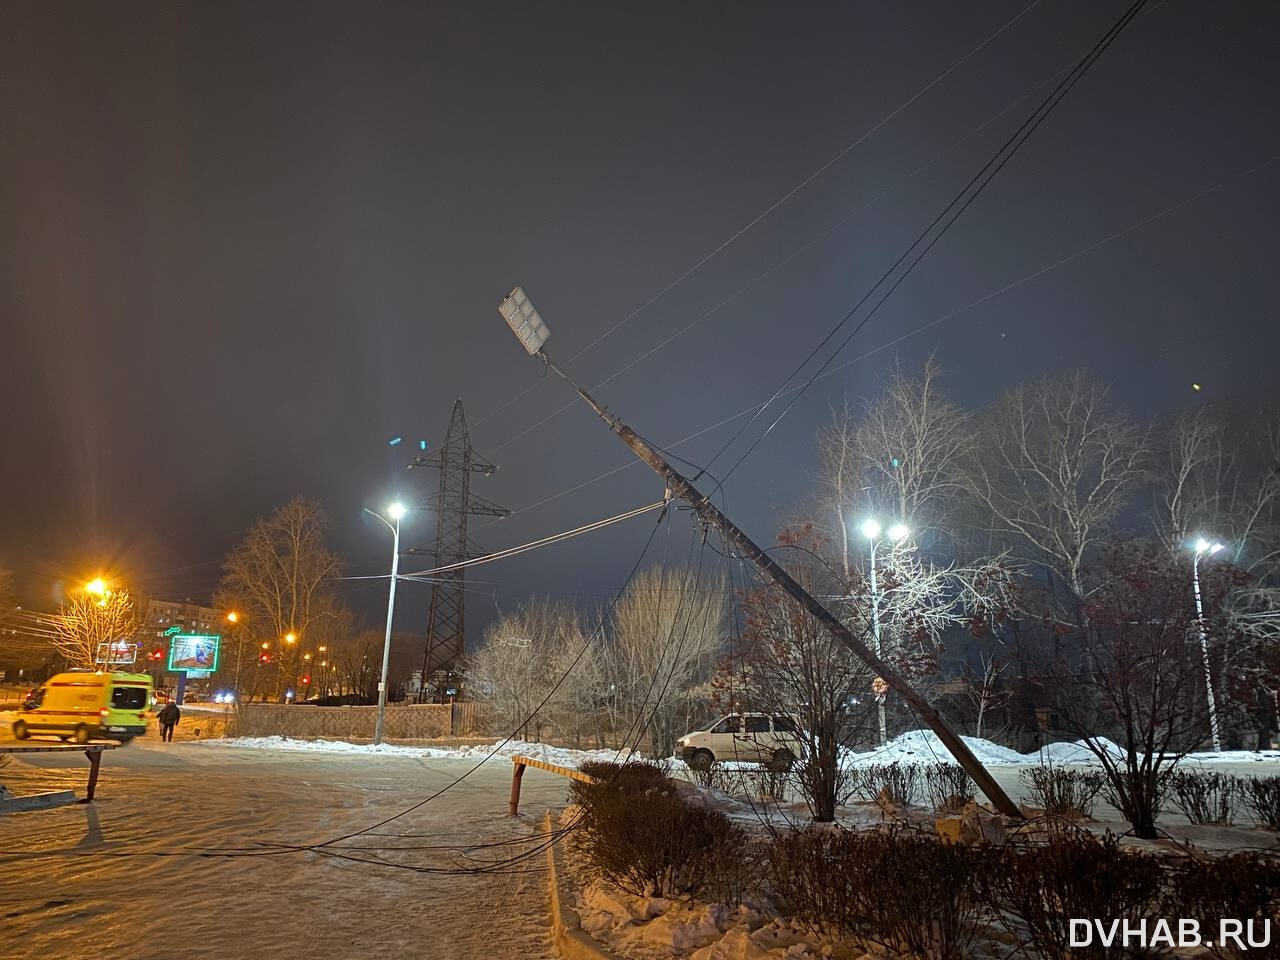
{"x": 96, "y": 586}
{"x": 265, "y": 645}
{"x": 289, "y": 638}
{"x": 233, "y": 617}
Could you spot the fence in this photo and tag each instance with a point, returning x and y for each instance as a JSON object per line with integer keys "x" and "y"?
{"x": 416, "y": 721}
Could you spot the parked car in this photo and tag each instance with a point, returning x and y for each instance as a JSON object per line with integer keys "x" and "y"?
{"x": 750, "y": 737}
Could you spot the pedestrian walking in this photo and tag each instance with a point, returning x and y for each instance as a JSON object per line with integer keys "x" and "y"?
{"x": 169, "y": 717}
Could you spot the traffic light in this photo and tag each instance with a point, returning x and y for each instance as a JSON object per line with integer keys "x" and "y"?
{"x": 265, "y": 658}
{"x": 306, "y": 679}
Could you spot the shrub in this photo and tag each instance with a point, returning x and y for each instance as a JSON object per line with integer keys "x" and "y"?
{"x": 1262, "y": 797}
{"x": 907, "y": 892}
{"x": 640, "y": 835}
{"x": 948, "y": 786}
{"x": 1063, "y": 792}
{"x": 897, "y": 783}
{"x": 1242, "y": 886}
{"x": 634, "y": 777}
{"x": 1139, "y": 794}
{"x": 1205, "y": 797}
{"x": 1077, "y": 875}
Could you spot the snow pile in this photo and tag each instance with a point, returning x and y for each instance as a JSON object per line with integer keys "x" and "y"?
{"x": 923, "y": 746}
{"x": 561, "y": 756}
{"x": 651, "y": 927}
{"x": 1076, "y": 752}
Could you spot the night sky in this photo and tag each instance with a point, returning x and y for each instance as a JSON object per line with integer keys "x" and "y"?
{"x": 244, "y": 244}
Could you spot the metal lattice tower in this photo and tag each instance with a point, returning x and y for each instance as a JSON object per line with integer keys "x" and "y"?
{"x": 446, "y": 621}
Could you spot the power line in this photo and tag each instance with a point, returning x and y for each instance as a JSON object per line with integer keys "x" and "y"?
{"x": 741, "y": 231}
{"x": 936, "y": 321}
{"x": 953, "y": 210}
{"x": 423, "y": 575}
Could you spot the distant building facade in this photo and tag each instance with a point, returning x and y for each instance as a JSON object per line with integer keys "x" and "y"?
{"x": 161, "y": 615}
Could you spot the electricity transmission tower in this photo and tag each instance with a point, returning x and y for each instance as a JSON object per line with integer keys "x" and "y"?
{"x": 456, "y": 460}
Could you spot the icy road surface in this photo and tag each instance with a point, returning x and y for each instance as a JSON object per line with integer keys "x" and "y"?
{"x": 118, "y": 878}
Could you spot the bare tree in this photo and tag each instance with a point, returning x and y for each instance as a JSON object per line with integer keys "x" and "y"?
{"x": 523, "y": 656}
{"x": 985, "y": 687}
{"x": 279, "y": 576}
{"x": 88, "y": 624}
{"x": 1222, "y": 481}
{"x": 668, "y": 631}
{"x": 787, "y": 663}
{"x": 1142, "y": 682}
{"x": 898, "y": 457}
{"x": 1053, "y": 468}
{"x": 1218, "y": 482}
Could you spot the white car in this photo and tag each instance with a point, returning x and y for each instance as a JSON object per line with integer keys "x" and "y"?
{"x": 750, "y": 737}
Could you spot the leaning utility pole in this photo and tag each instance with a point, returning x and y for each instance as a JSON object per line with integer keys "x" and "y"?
{"x": 528, "y": 327}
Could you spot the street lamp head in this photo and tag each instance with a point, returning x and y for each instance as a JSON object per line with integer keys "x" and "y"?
{"x": 1203, "y": 546}
{"x": 397, "y": 510}
{"x": 899, "y": 531}
{"x": 524, "y": 321}
{"x": 233, "y": 617}
{"x": 96, "y": 586}
{"x": 289, "y": 638}
{"x": 871, "y": 528}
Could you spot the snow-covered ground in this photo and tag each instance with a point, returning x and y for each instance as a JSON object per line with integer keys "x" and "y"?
{"x": 923, "y": 746}
{"x": 124, "y": 876}
{"x": 561, "y": 756}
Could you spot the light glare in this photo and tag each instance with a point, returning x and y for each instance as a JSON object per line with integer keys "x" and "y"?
{"x": 397, "y": 510}
{"x": 871, "y": 528}
{"x": 899, "y": 531}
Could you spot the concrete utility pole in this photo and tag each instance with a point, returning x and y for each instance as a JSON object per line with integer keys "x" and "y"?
{"x": 528, "y": 327}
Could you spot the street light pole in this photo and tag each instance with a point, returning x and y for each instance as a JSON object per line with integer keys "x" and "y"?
{"x": 1203, "y": 547}
{"x": 871, "y": 530}
{"x": 397, "y": 511}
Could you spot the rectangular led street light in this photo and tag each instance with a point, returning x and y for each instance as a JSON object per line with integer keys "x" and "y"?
{"x": 524, "y": 320}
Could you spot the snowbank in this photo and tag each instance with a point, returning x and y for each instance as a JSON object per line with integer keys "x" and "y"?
{"x": 561, "y": 756}
{"x": 652, "y": 927}
{"x": 923, "y": 746}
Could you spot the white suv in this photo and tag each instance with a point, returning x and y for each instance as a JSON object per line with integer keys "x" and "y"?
{"x": 751, "y": 737}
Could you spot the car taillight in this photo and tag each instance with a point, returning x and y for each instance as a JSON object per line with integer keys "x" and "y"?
{"x": 103, "y": 712}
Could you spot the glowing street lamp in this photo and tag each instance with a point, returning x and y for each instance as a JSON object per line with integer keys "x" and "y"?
{"x": 97, "y": 586}
{"x": 1205, "y": 548}
{"x": 233, "y": 617}
{"x": 872, "y": 530}
{"x": 290, "y": 638}
{"x": 396, "y": 511}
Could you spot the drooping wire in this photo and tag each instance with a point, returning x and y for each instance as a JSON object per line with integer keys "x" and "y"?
{"x": 938, "y": 227}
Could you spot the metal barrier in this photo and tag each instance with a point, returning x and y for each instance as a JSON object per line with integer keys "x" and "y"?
{"x": 517, "y": 775}
{"x": 92, "y": 751}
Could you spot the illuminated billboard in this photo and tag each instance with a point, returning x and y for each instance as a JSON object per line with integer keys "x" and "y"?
{"x": 194, "y": 652}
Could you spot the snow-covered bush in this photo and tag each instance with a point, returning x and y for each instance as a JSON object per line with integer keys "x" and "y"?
{"x": 1061, "y": 791}
{"x": 908, "y": 892}
{"x": 1205, "y": 797}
